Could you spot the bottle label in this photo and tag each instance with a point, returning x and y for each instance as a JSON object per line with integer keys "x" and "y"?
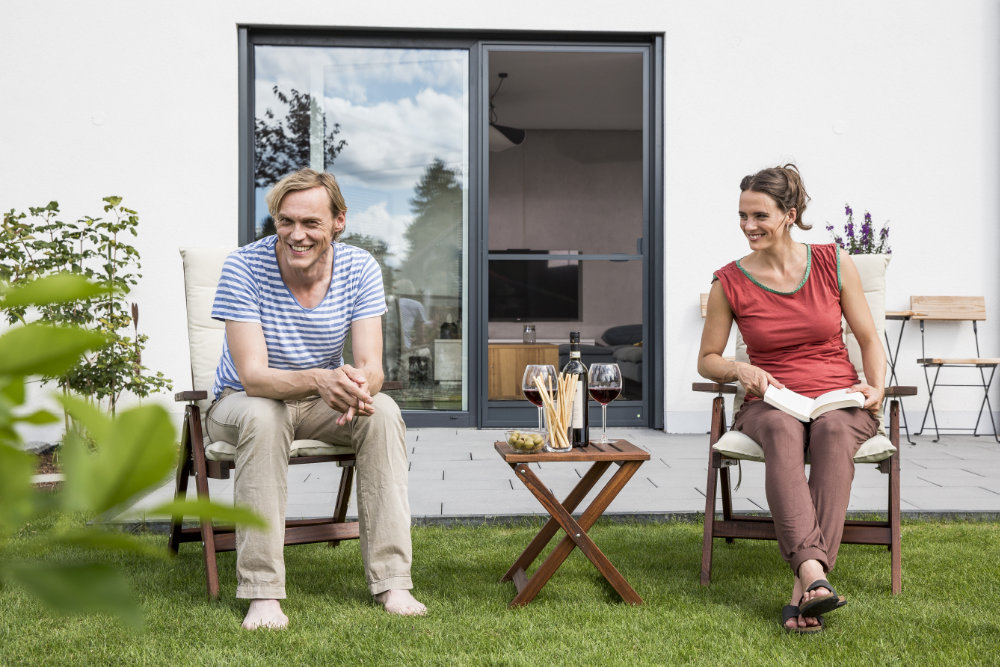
{"x": 579, "y": 401}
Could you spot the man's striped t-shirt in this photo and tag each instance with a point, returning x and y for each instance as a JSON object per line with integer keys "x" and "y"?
{"x": 297, "y": 338}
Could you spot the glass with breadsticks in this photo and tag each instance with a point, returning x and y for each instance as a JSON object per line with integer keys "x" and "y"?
{"x": 557, "y": 401}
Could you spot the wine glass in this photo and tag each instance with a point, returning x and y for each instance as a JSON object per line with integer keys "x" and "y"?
{"x": 546, "y": 373}
{"x": 605, "y": 384}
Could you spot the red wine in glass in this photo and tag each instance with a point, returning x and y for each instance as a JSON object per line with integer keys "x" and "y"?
{"x": 604, "y": 395}
{"x": 605, "y": 384}
{"x": 534, "y": 396}
{"x": 533, "y": 375}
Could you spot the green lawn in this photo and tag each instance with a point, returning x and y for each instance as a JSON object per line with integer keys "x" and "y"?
{"x": 946, "y": 615}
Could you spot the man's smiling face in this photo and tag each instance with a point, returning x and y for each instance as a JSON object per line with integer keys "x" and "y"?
{"x": 306, "y": 226}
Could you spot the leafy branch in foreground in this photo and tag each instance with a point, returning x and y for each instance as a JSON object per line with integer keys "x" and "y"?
{"x": 116, "y": 460}
{"x": 41, "y": 244}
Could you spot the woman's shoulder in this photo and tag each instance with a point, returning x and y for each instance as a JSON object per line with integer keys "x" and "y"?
{"x": 730, "y": 269}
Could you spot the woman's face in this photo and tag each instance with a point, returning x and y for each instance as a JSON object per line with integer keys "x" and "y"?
{"x": 762, "y": 220}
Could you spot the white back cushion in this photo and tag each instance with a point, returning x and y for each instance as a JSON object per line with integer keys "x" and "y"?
{"x": 202, "y": 268}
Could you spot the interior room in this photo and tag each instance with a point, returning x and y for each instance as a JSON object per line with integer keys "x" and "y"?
{"x": 570, "y": 185}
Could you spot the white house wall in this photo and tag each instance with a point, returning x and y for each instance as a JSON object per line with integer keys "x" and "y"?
{"x": 891, "y": 106}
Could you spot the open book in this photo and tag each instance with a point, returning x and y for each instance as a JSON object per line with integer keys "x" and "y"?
{"x": 806, "y": 409}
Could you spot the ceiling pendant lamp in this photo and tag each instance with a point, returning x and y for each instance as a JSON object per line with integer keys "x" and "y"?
{"x": 502, "y": 137}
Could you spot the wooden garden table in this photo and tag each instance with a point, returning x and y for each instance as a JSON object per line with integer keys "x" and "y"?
{"x": 627, "y": 457}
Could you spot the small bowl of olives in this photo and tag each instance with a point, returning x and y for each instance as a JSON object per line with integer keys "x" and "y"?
{"x": 526, "y": 441}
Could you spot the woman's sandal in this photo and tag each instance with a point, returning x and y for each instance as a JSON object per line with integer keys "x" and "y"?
{"x": 790, "y": 611}
{"x": 823, "y": 603}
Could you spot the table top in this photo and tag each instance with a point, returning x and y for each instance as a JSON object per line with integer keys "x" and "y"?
{"x": 616, "y": 450}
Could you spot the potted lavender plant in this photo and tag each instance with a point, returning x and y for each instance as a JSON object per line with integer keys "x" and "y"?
{"x": 871, "y": 254}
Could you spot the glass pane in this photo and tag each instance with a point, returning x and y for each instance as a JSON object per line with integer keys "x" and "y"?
{"x": 600, "y": 299}
{"x": 392, "y": 126}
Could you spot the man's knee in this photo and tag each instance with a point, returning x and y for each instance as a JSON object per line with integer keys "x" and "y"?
{"x": 253, "y": 416}
{"x": 387, "y": 413}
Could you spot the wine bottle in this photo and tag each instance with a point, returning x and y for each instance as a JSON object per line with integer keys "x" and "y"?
{"x": 579, "y": 424}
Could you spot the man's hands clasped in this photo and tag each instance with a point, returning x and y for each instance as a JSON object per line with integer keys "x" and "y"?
{"x": 345, "y": 389}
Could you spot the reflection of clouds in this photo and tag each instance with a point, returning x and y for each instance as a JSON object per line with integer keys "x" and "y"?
{"x": 360, "y": 75}
{"x": 391, "y": 143}
{"x": 398, "y": 109}
{"x": 377, "y": 221}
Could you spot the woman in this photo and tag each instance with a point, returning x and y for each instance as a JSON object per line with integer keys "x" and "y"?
{"x": 787, "y": 298}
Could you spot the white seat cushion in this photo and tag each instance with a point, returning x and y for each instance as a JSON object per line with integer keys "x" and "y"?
{"x": 738, "y": 445}
{"x": 225, "y": 451}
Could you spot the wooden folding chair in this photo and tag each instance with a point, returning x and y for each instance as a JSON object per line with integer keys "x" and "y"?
{"x": 954, "y": 309}
{"x": 729, "y": 448}
{"x": 204, "y": 460}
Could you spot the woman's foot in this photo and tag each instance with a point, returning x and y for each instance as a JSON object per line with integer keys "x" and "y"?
{"x": 818, "y": 596}
{"x": 792, "y": 621}
{"x": 796, "y": 622}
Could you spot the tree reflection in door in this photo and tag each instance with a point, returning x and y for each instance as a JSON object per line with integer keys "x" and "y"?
{"x": 391, "y": 124}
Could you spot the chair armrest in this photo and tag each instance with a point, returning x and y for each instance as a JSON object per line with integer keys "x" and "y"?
{"x": 185, "y": 396}
{"x": 897, "y": 391}
{"x": 713, "y": 387}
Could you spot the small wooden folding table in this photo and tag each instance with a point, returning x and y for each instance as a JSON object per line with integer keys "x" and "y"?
{"x": 627, "y": 456}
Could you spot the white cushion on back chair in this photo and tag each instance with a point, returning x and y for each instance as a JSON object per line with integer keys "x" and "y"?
{"x": 202, "y": 268}
{"x": 737, "y": 445}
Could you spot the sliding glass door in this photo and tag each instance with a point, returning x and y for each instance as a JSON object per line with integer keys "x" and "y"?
{"x": 497, "y": 185}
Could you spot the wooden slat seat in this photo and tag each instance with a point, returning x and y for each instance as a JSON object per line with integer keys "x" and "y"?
{"x": 970, "y": 309}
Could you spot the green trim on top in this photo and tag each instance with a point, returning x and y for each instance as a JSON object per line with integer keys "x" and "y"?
{"x": 804, "y": 277}
{"x": 836, "y": 251}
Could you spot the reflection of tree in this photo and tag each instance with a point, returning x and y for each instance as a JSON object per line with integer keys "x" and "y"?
{"x": 379, "y": 249}
{"x": 282, "y": 145}
{"x": 434, "y": 259}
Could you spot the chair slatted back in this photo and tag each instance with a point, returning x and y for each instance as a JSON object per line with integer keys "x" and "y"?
{"x": 963, "y": 308}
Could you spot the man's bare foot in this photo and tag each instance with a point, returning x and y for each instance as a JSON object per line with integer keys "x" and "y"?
{"x": 400, "y": 601}
{"x": 265, "y": 614}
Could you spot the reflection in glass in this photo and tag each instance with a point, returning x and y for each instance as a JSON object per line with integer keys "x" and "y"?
{"x": 392, "y": 125}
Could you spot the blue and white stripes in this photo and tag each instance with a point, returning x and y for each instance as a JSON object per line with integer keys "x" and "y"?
{"x": 297, "y": 338}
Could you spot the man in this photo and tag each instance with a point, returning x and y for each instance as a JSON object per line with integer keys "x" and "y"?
{"x": 289, "y": 301}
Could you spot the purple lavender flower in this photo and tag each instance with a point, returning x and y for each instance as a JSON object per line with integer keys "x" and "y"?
{"x": 847, "y": 210}
{"x": 866, "y": 232}
{"x": 868, "y": 217}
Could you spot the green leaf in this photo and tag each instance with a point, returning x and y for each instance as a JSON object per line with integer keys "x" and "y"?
{"x": 12, "y": 388}
{"x": 206, "y": 509}
{"x": 80, "y": 588}
{"x": 85, "y": 413}
{"x": 56, "y": 288}
{"x": 135, "y": 455}
{"x": 16, "y": 469}
{"x": 41, "y": 349}
{"x": 103, "y": 540}
{"x": 38, "y": 417}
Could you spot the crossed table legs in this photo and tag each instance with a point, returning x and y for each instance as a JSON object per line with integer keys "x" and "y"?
{"x": 628, "y": 457}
